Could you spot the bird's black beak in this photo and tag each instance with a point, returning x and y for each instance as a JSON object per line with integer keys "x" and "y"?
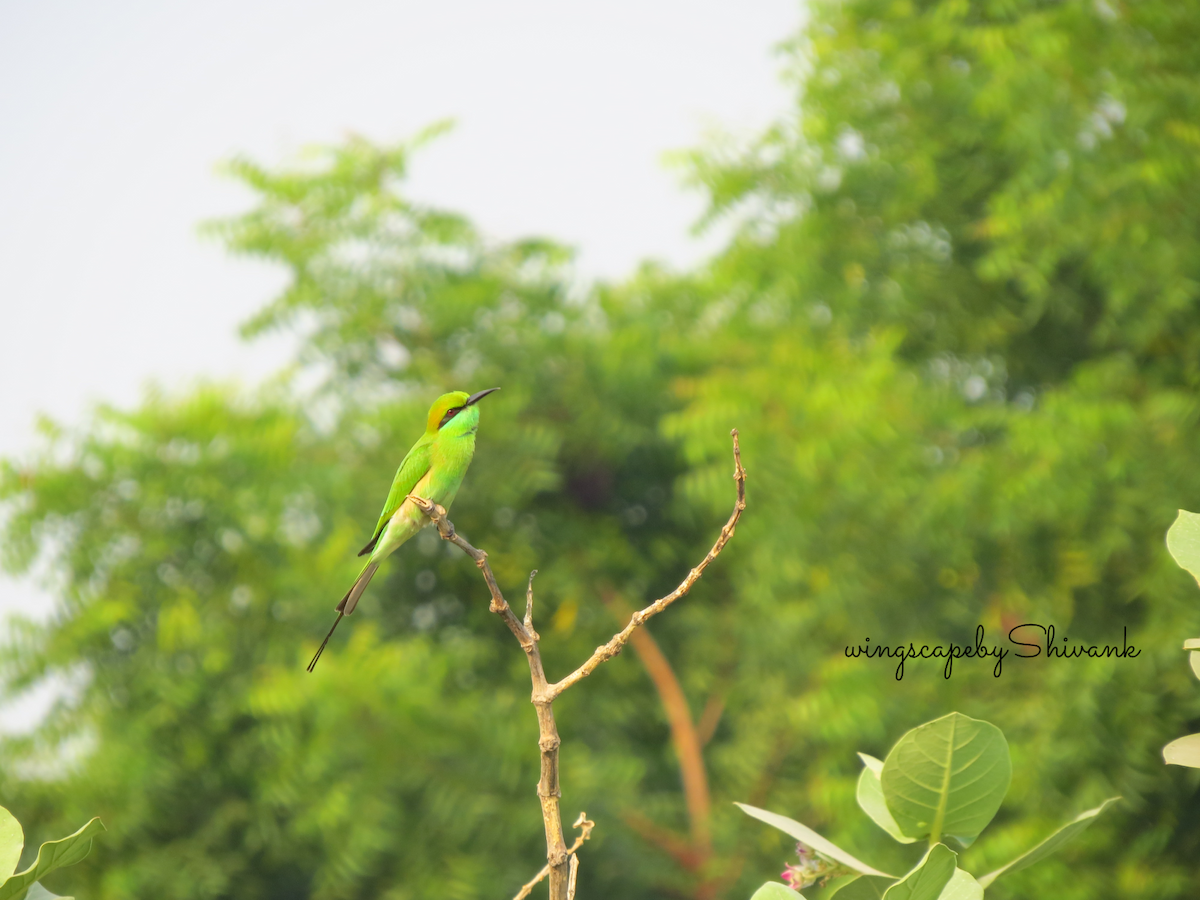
{"x": 475, "y": 398}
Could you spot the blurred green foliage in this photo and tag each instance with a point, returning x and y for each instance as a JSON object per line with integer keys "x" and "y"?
{"x": 956, "y": 325}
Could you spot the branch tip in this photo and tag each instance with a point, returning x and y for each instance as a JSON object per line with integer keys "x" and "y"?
{"x": 529, "y": 605}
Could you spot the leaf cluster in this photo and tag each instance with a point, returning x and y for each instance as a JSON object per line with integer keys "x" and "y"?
{"x": 944, "y": 779}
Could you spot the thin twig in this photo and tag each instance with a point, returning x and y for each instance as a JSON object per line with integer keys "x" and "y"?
{"x": 529, "y": 606}
{"x": 582, "y": 822}
{"x": 572, "y": 875}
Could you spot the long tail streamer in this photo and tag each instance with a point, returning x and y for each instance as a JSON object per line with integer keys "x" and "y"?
{"x": 321, "y": 649}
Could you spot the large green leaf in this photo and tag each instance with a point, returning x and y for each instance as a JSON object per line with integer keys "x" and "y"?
{"x": 12, "y": 840}
{"x": 1183, "y": 542}
{"x": 928, "y": 877}
{"x": 1050, "y": 844}
{"x": 1184, "y": 751}
{"x": 961, "y": 886}
{"x": 52, "y": 855}
{"x": 947, "y": 777}
{"x": 857, "y": 887}
{"x": 870, "y": 798}
{"x": 773, "y": 890}
{"x": 808, "y": 837}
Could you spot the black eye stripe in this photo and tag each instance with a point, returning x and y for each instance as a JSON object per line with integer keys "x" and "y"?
{"x": 450, "y": 414}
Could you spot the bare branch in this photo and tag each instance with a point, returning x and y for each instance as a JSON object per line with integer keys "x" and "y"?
{"x": 614, "y": 646}
{"x": 584, "y": 823}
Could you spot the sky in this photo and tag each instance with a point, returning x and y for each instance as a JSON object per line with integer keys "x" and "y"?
{"x": 114, "y": 116}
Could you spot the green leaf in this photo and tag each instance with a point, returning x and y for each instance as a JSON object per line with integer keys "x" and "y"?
{"x": 808, "y": 837}
{"x": 1184, "y": 751}
{"x": 773, "y": 890}
{"x": 12, "y": 840}
{"x": 858, "y": 887}
{"x": 961, "y": 886}
{"x": 947, "y": 777}
{"x": 37, "y": 892}
{"x": 928, "y": 877}
{"x": 1050, "y": 844}
{"x": 52, "y": 855}
{"x": 1183, "y": 542}
{"x": 870, "y": 798}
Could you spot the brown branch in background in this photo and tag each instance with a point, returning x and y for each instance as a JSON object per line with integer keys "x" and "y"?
{"x": 710, "y": 718}
{"x": 677, "y": 846}
{"x": 694, "y": 852}
{"x": 558, "y": 857}
{"x": 683, "y": 731}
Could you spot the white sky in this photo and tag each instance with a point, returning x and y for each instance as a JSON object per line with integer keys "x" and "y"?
{"x": 112, "y": 116}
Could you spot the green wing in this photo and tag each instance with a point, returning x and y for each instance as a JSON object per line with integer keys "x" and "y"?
{"x": 411, "y": 470}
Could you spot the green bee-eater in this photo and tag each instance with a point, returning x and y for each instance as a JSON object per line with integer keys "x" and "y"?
{"x": 433, "y": 469}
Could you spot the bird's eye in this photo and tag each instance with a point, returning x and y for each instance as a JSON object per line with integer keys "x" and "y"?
{"x": 450, "y": 414}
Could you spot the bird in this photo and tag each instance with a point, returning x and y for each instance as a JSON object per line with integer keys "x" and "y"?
{"x": 433, "y": 470}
